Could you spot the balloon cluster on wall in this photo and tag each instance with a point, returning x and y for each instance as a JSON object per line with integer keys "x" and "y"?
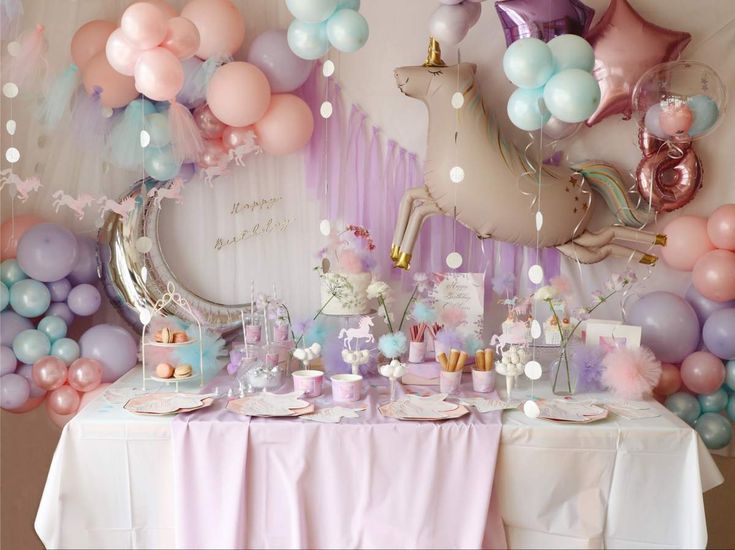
{"x": 320, "y": 23}
{"x": 453, "y": 19}
{"x": 199, "y": 109}
{"x": 46, "y": 280}
{"x": 553, "y": 79}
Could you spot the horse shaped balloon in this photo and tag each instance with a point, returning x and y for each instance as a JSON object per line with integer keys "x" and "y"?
{"x": 497, "y": 188}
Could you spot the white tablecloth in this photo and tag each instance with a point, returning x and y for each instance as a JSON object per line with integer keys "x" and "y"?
{"x": 616, "y": 483}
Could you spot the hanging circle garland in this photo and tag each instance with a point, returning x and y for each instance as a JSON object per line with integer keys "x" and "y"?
{"x": 134, "y": 270}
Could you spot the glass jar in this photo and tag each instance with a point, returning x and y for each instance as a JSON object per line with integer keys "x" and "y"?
{"x": 563, "y": 376}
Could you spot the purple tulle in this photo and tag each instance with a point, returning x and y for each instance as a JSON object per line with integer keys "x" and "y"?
{"x": 587, "y": 364}
{"x": 89, "y": 126}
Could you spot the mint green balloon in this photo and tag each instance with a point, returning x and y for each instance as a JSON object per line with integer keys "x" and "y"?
{"x": 65, "y": 349}
{"x": 572, "y": 95}
{"x": 53, "y": 326}
{"x": 528, "y": 63}
{"x": 525, "y": 109}
{"x": 347, "y": 30}
{"x": 157, "y": 127}
{"x": 4, "y": 296}
{"x": 571, "y": 52}
{"x": 307, "y": 40}
{"x": 11, "y": 273}
{"x": 30, "y": 345}
{"x": 311, "y": 11}
{"x": 731, "y": 407}
{"x": 713, "y": 402}
{"x": 30, "y": 298}
{"x": 160, "y": 163}
{"x": 705, "y": 114}
{"x": 714, "y": 429}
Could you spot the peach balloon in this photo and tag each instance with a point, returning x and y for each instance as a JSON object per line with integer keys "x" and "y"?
{"x": 117, "y": 89}
{"x": 49, "y": 373}
{"x": 214, "y": 154}
{"x": 90, "y": 39}
{"x": 167, "y": 9}
{"x": 714, "y": 275}
{"x": 12, "y": 230}
{"x": 687, "y": 241}
{"x": 670, "y": 380}
{"x": 238, "y": 93}
{"x": 63, "y": 400}
{"x": 144, "y": 25}
{"x": 182, "y": 37}
{"x": 676, "y": 120}
{"x": 721, "y": 227}
{"x": 221, "y": 26}
{"x": 234, "y": 137}
{"x": 30, "y": 404}
{"x": 286, "y": 127}
{"x": 62, "y": 419}
{"x": 85, "y": 374}
{"x": 159, "y": 74}
{"x": 121, "y": 54}
{"x": 702, "y": 372}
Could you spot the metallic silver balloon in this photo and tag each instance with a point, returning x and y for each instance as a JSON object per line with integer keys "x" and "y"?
{"x": 135, "y": 273}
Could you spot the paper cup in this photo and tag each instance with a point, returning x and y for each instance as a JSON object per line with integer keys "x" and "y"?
{"x": 280, "y": 333}
{"x": 483, "y": 381}
{"x": 308, "y": 382}
{"x": 253, "y": 334}
{"x": 449, "y": 381}
{"x": 416, "y": 352}
{"x": 346, "y": 387}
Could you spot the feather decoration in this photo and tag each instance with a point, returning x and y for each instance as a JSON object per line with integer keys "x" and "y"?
{"x": 392, "y": 345}
{"x": 186, "y": 140}
{"x": 59, "y": 96}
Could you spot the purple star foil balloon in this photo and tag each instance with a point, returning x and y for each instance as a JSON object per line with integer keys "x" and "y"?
{"x": 543, "y": 19}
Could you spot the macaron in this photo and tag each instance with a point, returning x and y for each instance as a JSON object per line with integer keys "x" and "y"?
{"x": 182, "y": 371}
{"x": 164, "y": 370}
{"x": 163, "y": 336}
{"x": 180, "y": 338}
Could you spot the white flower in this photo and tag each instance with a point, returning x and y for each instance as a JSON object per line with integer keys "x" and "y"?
{"x": 545, "y": 293}
{"x": 376, "y": 289}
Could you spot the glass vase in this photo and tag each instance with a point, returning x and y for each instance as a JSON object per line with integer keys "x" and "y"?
{"x": 563, "y": 379}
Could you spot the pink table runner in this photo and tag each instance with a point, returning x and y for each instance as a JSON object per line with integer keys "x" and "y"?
{"x": 368, "y": 482}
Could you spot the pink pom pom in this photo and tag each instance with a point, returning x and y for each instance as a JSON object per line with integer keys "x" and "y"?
{"x": 350, "y": 261}
{"x": 631, "y": 373}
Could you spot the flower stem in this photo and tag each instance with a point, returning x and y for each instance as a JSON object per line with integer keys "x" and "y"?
{"x": 408, "y": 304}
{"x": 381, "y": 301}
{"x": 318, "y": 313}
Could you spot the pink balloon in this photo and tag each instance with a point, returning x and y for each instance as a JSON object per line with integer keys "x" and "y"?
{"x": 117, "y": 89}
{"x": 687, "y": 241}
{"x": 12, "y": 230}
{"x": 714, "y": 275}
{"x": 49, "y": 373}
{"x": 670, "y": 380}
{"x": 63, "y": 400}
{"x": 30, "y": 404}
{"x": 159, "y": 74}
{"x": 721, "y": 227}
{"x": 286, "y": 127}
{"x": 235, "y": 137}
{"x": 702, "y": 372}
{"x": 238, "y": 93}
{"x": 676, "y": 120}
{"x": 214, "y": 154}
{"x": 209, "y": 125}
{"x": 121, "y": 54}
{"x": 62, "y": 419}
{"x": 182, "y": 37}
{"x": 167, "y": 9}
{"x": 144, "y": 25}
{"x": 90, "y": 39}
{"x": 221, "y": 26}
{"x": 85, "y": 374}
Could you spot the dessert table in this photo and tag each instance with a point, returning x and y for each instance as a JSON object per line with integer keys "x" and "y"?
{"x": 123, "y": 481}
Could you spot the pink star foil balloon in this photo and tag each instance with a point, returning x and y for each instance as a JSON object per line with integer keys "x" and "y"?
{"x": 543, "y": 20}
{"x": 626, "y": 46}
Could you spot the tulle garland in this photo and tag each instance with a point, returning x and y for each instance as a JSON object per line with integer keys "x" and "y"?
{"x": 125, "y": 150}
{"x": 59, "y": 96}
{"x": 10, "y": 13}
{"x": 186, "y": 140}
{"x": 29, "y": 64}
{"x": 89, "y": 126}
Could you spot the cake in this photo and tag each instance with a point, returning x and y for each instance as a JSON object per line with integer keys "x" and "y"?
{"x": 516, "y": 331}
{"x": 345, "y": 293}
{"x": 346, "y": 268}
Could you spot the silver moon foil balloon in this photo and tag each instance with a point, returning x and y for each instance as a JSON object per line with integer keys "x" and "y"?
{"x": 135, "y": 273}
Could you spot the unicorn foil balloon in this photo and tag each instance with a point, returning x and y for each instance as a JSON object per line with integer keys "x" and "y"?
{"x": 496, "y": 192}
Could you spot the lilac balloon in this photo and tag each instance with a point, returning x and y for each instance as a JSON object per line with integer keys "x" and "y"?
{"x": 26, "y": 371}
{"x": 271, "y": 54}
{"x": 59, "y": 290}
{"x": 8, "y": 362}
{"x": 186, "y": 172}
{"x": 47, "y": 252}
{"x": 669, "y": 323}
{"x": 14, "y": 391}
{"x": 60, "y": 309}
{"x": 84, "y": 300}
{"x": 194, "y": 91}
{"x": 450, "y": 24}
{"x": 704, "y": 307}
{"x": 719, "y": 333}
{"x": 85, "y": 270}
{"x": 11, "y": 325}
{"x": 112, "y": 346}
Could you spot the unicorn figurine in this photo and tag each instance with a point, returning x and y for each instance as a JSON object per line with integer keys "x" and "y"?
{"x": 362, "y": 332}
{"x": 122, "y": 209}
{"x": 78, "y": 205}
{"x": 22, "y": 186}
{"x": 171, "y": 192}
{"x": 498, "y": 188}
